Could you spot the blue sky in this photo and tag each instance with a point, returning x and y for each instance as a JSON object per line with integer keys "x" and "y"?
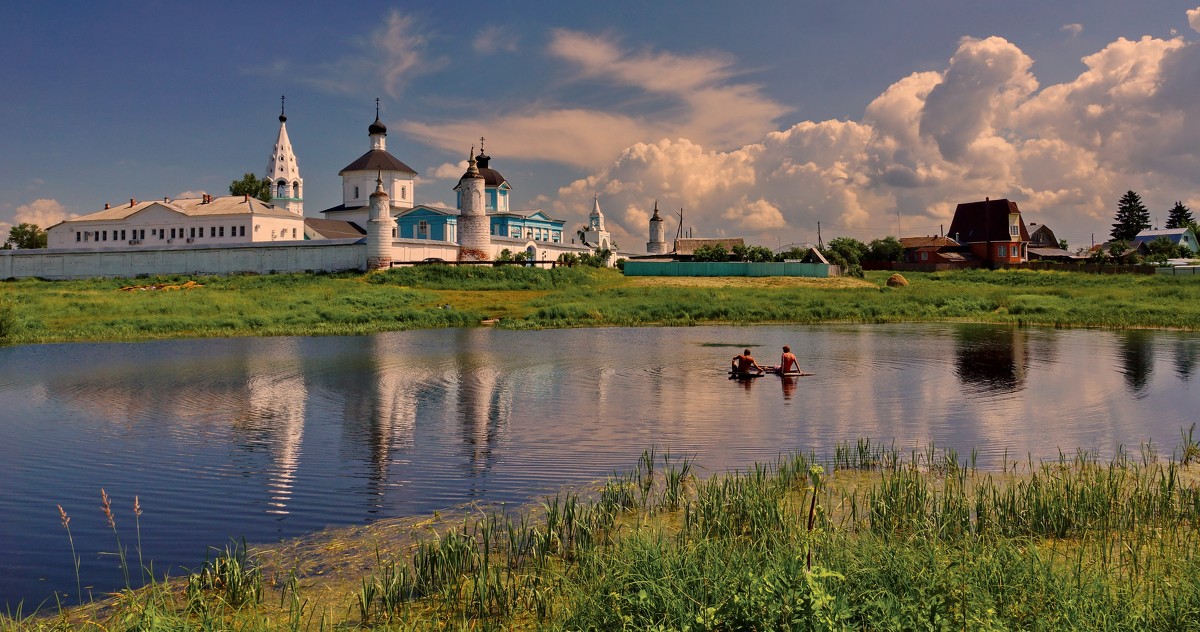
{"x": 758, "y": 118}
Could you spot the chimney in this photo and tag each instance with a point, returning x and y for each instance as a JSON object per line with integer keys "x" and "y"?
{"x": 247, "y": 198}
{"x": 132, "y": 202}
{"x": 106, "y": 206}
{"x": 165, "y": 199}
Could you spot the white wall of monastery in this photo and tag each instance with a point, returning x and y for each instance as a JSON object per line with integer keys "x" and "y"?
{"x": 298, "y": 256}
{"x": 399, "y": 189}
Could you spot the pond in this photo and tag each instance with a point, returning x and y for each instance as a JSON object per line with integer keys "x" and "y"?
{"x": 271, "y": 438}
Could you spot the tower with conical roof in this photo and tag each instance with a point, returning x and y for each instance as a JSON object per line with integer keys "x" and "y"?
{"x": 474, "y": 227}
{"x": 595, "y": 235}
{"x": 283, "y": 172}
{"x": 658, "y": 239}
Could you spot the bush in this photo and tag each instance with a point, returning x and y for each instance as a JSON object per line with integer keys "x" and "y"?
{"x": 711, "y": 252}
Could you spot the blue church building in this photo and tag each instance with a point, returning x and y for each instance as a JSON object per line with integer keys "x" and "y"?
{"x": 441, "y": 224}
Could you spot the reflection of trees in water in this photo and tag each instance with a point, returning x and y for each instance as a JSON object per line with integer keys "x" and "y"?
{"x": 1137, "y": 360}
{"x": 1185, "y": 358}
{"x": 992, "y": 358}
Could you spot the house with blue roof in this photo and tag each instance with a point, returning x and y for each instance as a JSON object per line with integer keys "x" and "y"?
{"x": 1185, "y": 237}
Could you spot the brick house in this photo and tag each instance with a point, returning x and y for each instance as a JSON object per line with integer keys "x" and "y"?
{"x": 992, "y": 230}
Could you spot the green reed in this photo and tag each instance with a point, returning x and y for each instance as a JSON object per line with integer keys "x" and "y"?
{"x": 879, "y": 540}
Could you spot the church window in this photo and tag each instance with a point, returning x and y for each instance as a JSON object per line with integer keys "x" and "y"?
{"x": 403, "y": 192}
{"x": 192, "y": 232}
{"x": 422, "y": 229}
{"x": 242, "y": 232}
{"x": 221, "y": 232}
{"x": 393, "y": 233}
{"x": 293, "y": 233}
{"x": 78, "y": 236}
{"x": 356, "y": 193}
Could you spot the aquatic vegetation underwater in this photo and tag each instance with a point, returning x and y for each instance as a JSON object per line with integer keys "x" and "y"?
{"x": 868, "y": 538}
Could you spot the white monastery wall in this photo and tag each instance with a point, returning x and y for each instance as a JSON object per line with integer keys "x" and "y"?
{"x": 291, "y": 256}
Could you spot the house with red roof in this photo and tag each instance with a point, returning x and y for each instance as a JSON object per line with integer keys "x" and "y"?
{"x": 992, "y": 230}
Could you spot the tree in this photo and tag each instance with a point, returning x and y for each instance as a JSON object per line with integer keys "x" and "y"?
{"x": 1162, "y": 248}
{"x": 25, "y": 236}
{"x": 1063, "y": 245}
{"x": 753, "y": 253}
{"x": 1179, "y": 216}
{"x": 845, "y": 251}
{"x": 886, "y": 249}
{"x": 711, "y": 252}
{"x": 1132, "y": 217}
{"x": 252, "y": 186}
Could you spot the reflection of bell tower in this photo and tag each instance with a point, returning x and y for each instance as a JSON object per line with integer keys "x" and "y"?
{"x": 276, "y": 398}
{"x": 484, "y": 398}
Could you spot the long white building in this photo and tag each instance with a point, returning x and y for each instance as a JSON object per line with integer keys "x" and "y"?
{"x": 227, "y": 220}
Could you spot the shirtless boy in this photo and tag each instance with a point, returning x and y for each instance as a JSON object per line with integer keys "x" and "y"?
{"x": 787, "y": 361}
{"x": 744, "y": 362}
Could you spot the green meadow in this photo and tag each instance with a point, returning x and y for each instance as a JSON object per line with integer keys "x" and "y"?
{"x": 35, "y": 311}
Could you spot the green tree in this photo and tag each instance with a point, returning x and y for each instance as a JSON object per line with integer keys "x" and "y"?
{"x": 1063, "y": 245}
{"x": 25, "y": 236}
{"x": 505, "y": 255}
{"x": 252, "y": 186}
{"x": 1162, "y": 248}
{"x": 886, "y": 249}
{"x": 568, "y": 259}
{"x": 711, "y": 252}
{"x": 753, "y": 253}
{"x": 845, "y": 251}
{"x": 1132, "y": 217}
{"x": 1179, "y": 216}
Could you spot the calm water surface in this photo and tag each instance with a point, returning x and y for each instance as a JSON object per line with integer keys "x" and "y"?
{"x": 276, "y": 437}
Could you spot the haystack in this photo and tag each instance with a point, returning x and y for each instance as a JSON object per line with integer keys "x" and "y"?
{"x": 897, "y": 280}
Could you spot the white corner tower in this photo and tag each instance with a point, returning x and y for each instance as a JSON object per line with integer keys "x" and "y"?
{"x": 379, "y": 229}
{"x": 474, "y": 227}
{"x": 287, "y": 187}
{"x": 658, "y": 240}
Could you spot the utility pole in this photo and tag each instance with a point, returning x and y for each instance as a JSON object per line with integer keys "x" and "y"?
{"x": 820, "y": 244}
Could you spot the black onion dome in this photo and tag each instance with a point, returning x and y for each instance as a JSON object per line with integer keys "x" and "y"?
{"x": 377, "y": 127}
{"x": 282, "y": 118}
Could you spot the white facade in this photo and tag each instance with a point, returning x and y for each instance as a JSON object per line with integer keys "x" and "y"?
{"x": 227, "y": 220}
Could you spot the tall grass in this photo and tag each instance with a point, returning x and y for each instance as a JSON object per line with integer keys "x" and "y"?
{"x": 872, "y": 538}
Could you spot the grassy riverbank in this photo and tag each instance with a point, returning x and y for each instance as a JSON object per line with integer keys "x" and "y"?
{"x": 33, "y": 311}
{"x": 870, "y": 538}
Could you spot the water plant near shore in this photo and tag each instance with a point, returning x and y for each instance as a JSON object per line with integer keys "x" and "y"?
{"x": 872, "y": 538}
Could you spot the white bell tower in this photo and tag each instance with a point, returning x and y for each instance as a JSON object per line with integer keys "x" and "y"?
{"x": 287, "y": 187}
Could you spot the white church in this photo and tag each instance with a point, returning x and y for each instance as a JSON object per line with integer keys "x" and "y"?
{"x": 378, "y": 208}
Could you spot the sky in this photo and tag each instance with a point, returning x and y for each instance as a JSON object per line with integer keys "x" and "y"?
{"x": 759, "y": 120}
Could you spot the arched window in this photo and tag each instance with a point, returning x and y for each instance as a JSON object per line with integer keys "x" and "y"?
{"x": 356, "y": 193}
{"x": 296, "y": 189}
{"x": 283, "y": 185}
{"x": 403, "y": 193}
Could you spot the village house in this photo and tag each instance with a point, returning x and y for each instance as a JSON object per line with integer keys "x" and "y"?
{"x": 992, "y": 230}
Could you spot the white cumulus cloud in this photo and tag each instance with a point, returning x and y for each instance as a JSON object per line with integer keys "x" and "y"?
{"x": 43, "y": 211}
{"x": 982, "y": 126}
{"x": 1193, "y": 16}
